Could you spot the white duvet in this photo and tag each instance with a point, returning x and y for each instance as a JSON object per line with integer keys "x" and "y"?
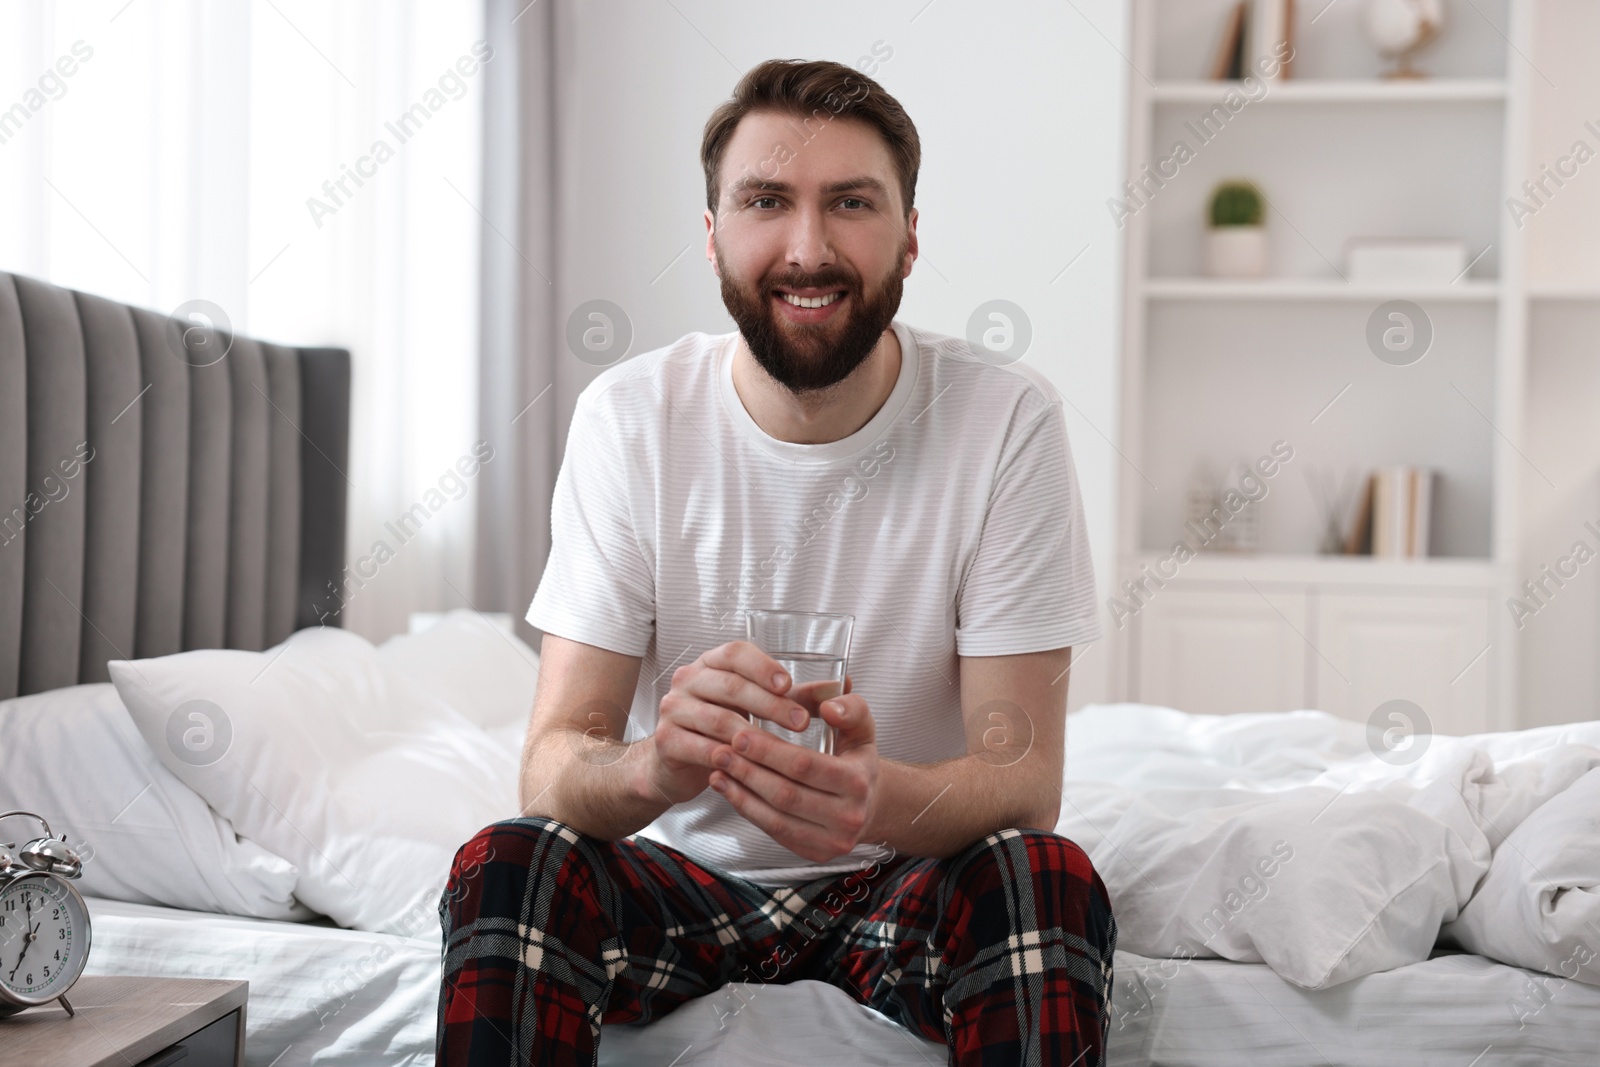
{"x": 1283, "y": 839}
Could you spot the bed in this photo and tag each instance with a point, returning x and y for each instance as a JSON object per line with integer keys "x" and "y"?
{"x": 1285, "y": 893}
{"x": 320, "y": 995}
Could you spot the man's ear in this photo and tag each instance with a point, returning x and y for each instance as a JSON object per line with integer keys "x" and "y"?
{"x": 911, "y": 241}
{"x": 711, "y": 243}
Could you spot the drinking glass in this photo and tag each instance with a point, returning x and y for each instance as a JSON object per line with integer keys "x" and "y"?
{"x": 813, "y": 648}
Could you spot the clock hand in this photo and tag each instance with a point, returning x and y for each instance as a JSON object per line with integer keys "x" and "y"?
{"x": 27, "y": 940}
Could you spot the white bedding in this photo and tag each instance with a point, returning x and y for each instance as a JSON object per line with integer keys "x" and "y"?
{"x": 1284, "y": 838}
{"x": 1262, "y": 839}
{"x": 322, "y": 996}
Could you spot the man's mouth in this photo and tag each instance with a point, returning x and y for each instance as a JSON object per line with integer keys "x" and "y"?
{"x": 813, "y": 299}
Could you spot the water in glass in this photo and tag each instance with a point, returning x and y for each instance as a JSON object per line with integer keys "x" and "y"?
{"x": 816, "y": 677}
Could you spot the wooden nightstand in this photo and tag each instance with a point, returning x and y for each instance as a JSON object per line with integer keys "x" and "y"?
{"x": 132, "y": 1022}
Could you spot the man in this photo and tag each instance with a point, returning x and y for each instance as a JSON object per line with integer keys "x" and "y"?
{"x": 824, "y": 457}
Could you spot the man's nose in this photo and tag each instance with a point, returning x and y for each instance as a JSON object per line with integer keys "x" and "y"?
{"x": 810, "y": 244}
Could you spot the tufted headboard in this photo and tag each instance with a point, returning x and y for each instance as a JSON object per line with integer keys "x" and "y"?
{"x": 154, "y": 498}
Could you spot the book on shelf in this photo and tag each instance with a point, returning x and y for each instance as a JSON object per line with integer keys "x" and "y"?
{"x": 1395, "y": 516}
{"x": 1271, "y": 30}
{"x": 1257, "y": 35}
{"x": 1229, "y": 61}
{"x": 1359, "y": 541}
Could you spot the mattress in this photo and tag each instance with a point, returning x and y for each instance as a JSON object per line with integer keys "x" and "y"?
{"x": 1455, "y": 1009}
{"x": 320, "y": 995}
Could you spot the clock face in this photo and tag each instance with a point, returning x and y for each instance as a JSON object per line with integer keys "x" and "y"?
{"x": 44, "y": 938}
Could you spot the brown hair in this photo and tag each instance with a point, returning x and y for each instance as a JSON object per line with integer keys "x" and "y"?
{"x": 815, "y": 91}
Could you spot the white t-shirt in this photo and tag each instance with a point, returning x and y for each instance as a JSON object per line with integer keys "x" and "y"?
{"x": 949, "y": 525}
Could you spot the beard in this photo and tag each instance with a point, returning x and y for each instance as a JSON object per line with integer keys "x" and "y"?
{"x": 807, "y": 357}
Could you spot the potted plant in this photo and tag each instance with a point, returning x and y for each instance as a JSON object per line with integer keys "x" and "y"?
{"x": 1236, "y": 241}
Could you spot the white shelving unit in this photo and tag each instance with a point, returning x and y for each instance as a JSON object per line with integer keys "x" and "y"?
{"x": 1341, "y": 91}
{"x": 1564, "y": 291}
{"x": 1220, "y": 370}
{"x": 1310, "y": 289}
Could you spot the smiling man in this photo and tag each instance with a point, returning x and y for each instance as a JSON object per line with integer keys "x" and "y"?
{"x": 823, "y": 457}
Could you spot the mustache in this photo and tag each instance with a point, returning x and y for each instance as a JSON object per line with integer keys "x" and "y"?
{"x": 824, "y": 280}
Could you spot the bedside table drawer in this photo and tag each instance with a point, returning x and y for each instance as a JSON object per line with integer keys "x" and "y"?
{"x": 211, "y": 1046}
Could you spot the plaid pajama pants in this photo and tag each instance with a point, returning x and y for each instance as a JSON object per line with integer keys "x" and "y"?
{"x": 1002, "y": 951}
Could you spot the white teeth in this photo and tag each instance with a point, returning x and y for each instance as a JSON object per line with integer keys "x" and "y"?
{"x": 810, "y": 301}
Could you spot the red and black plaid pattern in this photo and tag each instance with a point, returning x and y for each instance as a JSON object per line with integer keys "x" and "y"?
{"x": 1002, "y": 951}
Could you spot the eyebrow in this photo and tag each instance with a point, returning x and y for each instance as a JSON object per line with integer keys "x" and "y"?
{"x": 752, "y": 183}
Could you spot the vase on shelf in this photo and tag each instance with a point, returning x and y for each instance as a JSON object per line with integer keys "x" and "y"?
{"x": 1399, "y": 29}
{"x": 1236, "y": 239}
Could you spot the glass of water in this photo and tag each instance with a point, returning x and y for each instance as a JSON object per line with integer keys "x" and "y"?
{"x": 813, "y": 648}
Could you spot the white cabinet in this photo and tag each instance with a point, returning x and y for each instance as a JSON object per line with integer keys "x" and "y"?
{"x": 1431, "y": 650}
{"x": 1222, "y": 651}
{"x": 1233, "y": 646}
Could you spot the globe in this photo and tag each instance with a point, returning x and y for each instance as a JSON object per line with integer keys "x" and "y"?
{"x": 1400, "y": 28}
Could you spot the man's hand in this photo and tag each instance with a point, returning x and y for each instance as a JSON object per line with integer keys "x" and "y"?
{"x": 710, "y": 701}
{"x": 814, "y": 804}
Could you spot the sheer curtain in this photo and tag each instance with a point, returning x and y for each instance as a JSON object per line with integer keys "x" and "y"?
{"x": 521, "y": 393}
{"x": 312, "y": 170}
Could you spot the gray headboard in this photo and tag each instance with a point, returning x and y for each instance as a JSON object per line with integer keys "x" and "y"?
{"x": 154, "y": 501}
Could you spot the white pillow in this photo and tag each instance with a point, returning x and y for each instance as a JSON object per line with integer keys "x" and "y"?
{"x": 74, "y": 756}
{"x": 368, "y": 784}
{"x": 468, "y": 662}
{"x": 1539, "y": 907}
{"x": 1321, "y": 887}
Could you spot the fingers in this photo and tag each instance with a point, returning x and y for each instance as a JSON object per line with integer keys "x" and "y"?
{"x": 789, "y": 796}
{"x": 828, "y": 774}
{"x": 709, "y": 724}
{"x": 837, "y": 815}
{"x": 680, "y": 740}
{"x": 735, "y": 691}
{"x": 809, "y": 694}
{"x": 801, "y": 836}
{"x": 851, "y": 719}
{"x": 744, "y": 658}
{"x": 739, "y": 675}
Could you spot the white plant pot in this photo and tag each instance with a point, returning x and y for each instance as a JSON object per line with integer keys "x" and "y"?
{"x": 1236, "y": 251}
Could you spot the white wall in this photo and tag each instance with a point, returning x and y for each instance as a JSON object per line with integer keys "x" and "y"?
{"x": 1020, "y": 109}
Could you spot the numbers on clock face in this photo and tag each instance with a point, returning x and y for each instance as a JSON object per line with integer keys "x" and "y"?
{"x": 40, "y": 932}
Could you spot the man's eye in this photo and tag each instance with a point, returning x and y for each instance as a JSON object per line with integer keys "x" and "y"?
{"x": 757, "y": 201}
{"x": 855, "y": 200}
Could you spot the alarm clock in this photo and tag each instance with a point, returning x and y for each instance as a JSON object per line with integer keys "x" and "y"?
{"x": 44, "y": 924}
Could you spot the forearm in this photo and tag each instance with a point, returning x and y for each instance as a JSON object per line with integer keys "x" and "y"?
{"x": 600, "y": 788}
{"x": 937, "y": 809}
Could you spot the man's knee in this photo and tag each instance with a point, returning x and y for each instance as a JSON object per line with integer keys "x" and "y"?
{"x": 520, "y": 848}
{"x": 1015, "y": 853}
{"x": 1057, "y": 871}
